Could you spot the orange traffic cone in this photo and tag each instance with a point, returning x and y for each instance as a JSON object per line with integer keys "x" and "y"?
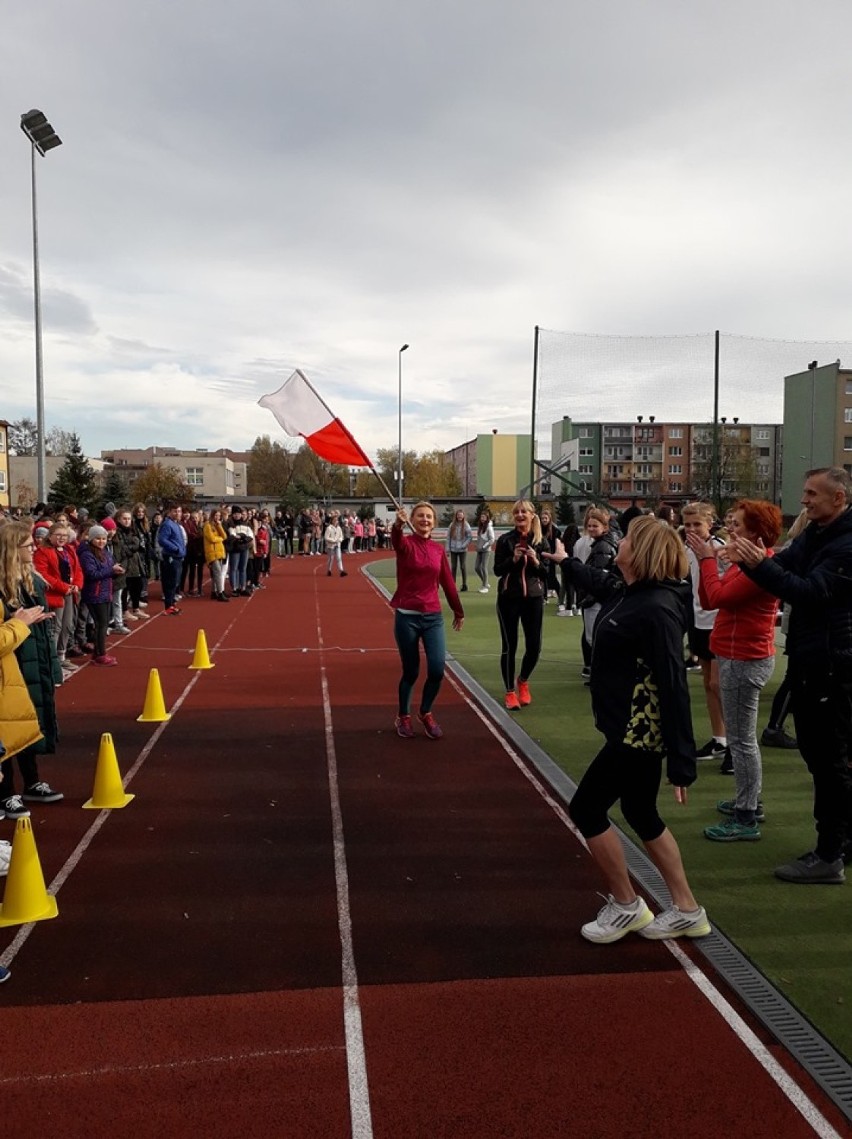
{"x": 25, "y": 898}
{"x": 155, "y": 707}
{"x": 108, "y": 792}
{"x": 202, "y": 657}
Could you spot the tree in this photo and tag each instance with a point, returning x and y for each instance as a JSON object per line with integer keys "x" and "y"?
{"x": 58, "y": 442}
{"x": 270, "y": 469}
{"x": 316, "y": 478}
{"x": 115, "y": 488}
{"x": 566, "y": 514}
{"x": 428, "y": 475}
{"x": 158, "y": 483}
{"x": 736, "y": 473}
{"x": 75, "y": 481}
{"x": 23, "y": 437}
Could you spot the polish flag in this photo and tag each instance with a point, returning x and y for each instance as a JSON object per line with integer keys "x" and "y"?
{"x": 300, "y": 411}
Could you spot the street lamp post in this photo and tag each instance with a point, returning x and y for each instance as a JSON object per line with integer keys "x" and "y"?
{"x": 42, "y": 138}
{"x": 399, "y": 452}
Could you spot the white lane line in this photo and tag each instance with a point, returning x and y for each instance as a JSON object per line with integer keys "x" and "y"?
{"x": 786, "y": 1084}
{"x": 111, "y": 1070}
{"x": 356, "y": 1058}
{"x": 70, "y": 864}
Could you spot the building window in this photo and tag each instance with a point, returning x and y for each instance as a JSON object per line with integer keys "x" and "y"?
{"x": 586, "y": 469}
{"x": 676, "y": 469}
{"x": 195, "y": 476}
{"x": 847, "y": 415}
{"x": 763, "y": 434}
{"x": 849, "y": 387}
{"x": 2, "y": 482}
{"x": 675, "y": 433}
{"x": 2, "y": 441}
{"x": 586, "y": 433}
{"x": 676, "y": 487}
{"x": 587, "y": 452}
{"x": 676, "y": 451}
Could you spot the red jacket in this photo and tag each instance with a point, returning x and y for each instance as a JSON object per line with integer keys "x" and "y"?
{"x": 421, "y": 566}
{"x": 745, "y": 624}
{"x": 46, "y": 562}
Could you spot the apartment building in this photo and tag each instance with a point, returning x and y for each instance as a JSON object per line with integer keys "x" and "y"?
{"x": 817, "y": 426}
{"x": 219, "y": 474}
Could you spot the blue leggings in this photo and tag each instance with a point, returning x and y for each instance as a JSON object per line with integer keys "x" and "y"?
{"x": 409, "y": 629}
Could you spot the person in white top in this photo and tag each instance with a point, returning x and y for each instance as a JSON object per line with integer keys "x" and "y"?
{"x": 333, "y": 544}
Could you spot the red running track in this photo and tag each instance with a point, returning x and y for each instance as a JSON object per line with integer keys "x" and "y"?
{"x": 304, "y": 926}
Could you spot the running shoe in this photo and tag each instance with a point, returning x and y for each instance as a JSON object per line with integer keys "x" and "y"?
{"x": 729, "y": 806}
{"x": 106, "y": 661}
{"x": 677, "y": 923}
{"x": 404, "y": 727}
{"x": 431, "y": 726}
{"x": 615, "y": 921}
{"x": 777, "y": 737}
{"x": 5, "y": 974}
{"x": 172, "y": 611}
{"x": 713, "y": 749}
{"x": 726, "y": 767}
{"x": 732, "y": 831}
{"x": 13, "y": 808}
{"x": 42, "y": 793}
{"x": 121, "y": 630}
{"x": 810, "y": 870}
{"x": 524, "y": 695}
{"x": 130, "y": 617}
{"x": 512, "y": 702}
{"x": 5, "y": 857}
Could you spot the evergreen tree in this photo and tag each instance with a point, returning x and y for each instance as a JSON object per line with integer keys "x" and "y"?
{"x": 75, "y": 481}
{"x": 565, "y": 512}
{"x": 115, "y": 488}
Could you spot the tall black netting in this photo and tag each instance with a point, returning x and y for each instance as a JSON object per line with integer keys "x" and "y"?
{"x": 615, "y": 378}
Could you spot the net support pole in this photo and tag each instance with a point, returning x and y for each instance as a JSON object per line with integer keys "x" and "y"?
{"x": 532, "y": 425}
{"x": 715, "y": 471}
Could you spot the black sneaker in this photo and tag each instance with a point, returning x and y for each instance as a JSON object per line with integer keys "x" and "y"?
{"x": 777, "y": 737}
{"x": 810, "y": 869}
{"x": 42, "y": 793}
{"x": 727, "y": 765}
{"x": 13, "y": 808}
{"x": 711, "y": 750}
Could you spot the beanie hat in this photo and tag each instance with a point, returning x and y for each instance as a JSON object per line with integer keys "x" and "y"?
{"x": 97, "y": 532}
{"x": 108, "y": 524}
{"x": 109, "y": 508}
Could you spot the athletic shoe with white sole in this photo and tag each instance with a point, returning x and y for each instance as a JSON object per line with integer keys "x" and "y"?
{"x": 729, "y": 807}
{"x": 615, "y": 921}
{"x": 13, "y": 808}
{"x": 713, "y": 749}
{"x": 677, "y": 923}
{"x": 41, "y": 793}
{"x": 731, "y": 830}
{"x": 404, "y": 727}
{"x": 811, "y": 870}
{"x": 5, "y": 856}
{"x": 431, "y": 725}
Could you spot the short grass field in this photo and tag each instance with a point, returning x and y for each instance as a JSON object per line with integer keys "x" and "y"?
{"x": 800, "y": 937}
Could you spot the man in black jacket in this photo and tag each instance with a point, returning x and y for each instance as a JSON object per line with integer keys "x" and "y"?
{"x": 814, "y": 574}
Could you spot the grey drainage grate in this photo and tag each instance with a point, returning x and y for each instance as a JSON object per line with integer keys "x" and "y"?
{"x": 826, "y": 1066}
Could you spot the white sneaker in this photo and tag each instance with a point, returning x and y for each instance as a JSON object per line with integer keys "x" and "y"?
{"x": 130, "y": 617}
{"x": 485, "y": 589}
{"x": 677, "y": 923}
{"x": 5, "y": 856}
{"x": 614, "y": 921}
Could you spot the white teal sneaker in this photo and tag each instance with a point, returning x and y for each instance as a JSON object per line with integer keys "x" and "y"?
{"x": 677, "y": 923}
{"x": 615, "y": 920}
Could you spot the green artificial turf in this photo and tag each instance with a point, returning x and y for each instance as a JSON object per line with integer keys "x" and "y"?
{"x": 800, "y": 937}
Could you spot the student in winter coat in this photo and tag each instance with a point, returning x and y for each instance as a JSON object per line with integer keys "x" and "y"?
{"x": 99, "y": 571}
{"x": 640, "y": 701}
{"x": 57, "y": 562}
{"x": 484, "y": 546}
{"x": 334, "y": 544}
{"x": 214, "y": 535}
{"x": 520, "y": 599}
{"x": 128, "y": 549}
{"x": 601, "y": 556}
{"x": 22, "y": 592}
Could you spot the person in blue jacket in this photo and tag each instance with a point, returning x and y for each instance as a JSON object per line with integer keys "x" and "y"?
{"x": 171, "y": 538}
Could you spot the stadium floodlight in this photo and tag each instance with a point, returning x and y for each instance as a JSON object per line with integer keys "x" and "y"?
{"x": 42, "y": 138}
{"x": 399, "y": 451}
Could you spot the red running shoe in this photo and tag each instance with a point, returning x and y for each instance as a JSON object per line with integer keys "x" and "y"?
{"x": 433, "y": 728}
{"x": 513, "y": 704}
{"x": 404, "y": 727}
{"x": 172, "y": 611}
{"x": 106, "y": 661}
{"x": 524, "y": 695}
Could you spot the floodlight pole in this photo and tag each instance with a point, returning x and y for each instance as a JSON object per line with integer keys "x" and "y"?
{"x": 42, "y": 137}
{"x": 399, "y": 451}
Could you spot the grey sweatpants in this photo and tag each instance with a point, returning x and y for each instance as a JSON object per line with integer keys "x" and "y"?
{"x": 740, "y": 684}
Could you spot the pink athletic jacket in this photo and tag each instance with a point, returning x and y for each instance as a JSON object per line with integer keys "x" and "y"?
{"x": 421, "y": 566}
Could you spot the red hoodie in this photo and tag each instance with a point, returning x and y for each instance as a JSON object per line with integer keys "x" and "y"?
{"x": 745, "y": 624}
{"x": 421, "y": 566}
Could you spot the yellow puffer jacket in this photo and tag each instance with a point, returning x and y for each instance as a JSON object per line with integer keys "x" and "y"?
{"x": 18, "y": 721}
{"x": 214, "y": 542}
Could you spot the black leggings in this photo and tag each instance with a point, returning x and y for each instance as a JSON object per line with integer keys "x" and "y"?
{"x": 625, "y": 773}
{"x": 781, "y": 703}
{"x": 100, "y": 617}
{"x": 529, "y": 611}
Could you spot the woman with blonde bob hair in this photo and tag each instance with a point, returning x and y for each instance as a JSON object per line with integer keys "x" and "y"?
{"x": 640, "y": 701}
{"x": 521, "y": 591}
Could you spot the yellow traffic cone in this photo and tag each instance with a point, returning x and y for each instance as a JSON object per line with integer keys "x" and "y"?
{"x": 155, "y": 707}
{"x": 25, "y": 898}
{"x": 202, "y": 657}
{"x": 108, "y": 792}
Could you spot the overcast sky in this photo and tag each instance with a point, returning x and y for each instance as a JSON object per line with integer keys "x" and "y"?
{"x": 245, "y": 188}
